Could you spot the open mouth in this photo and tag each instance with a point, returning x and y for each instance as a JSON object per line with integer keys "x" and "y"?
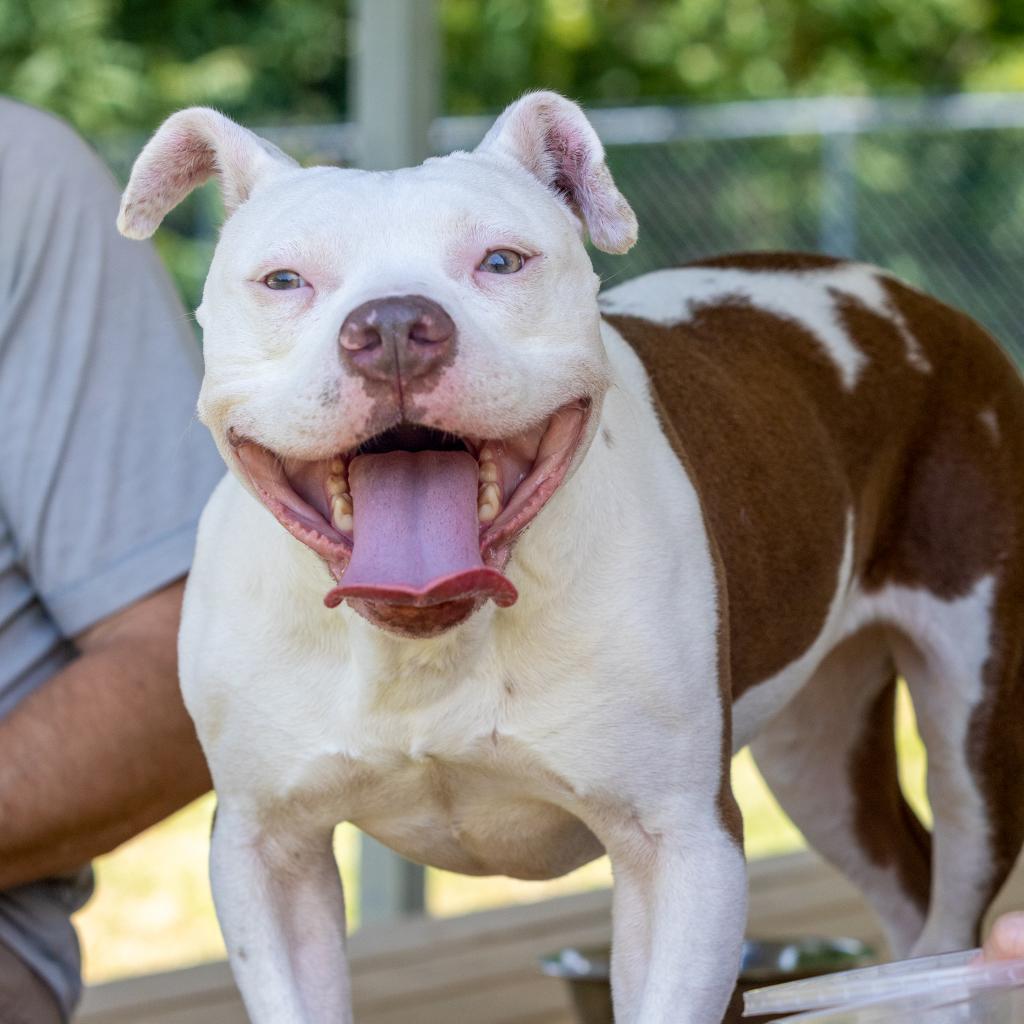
{"x": 415, "y": 518}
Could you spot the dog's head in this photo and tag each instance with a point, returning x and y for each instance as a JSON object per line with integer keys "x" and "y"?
{"x": 402, "y": 366}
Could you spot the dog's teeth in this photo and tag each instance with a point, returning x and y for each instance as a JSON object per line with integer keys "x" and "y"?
{"x": 488, "y": 469}
{"x": 341, "y": 512}
{"x": 488, "y": 502}
{"x": 337, "y": 478}
{"x": 490, "y": 492}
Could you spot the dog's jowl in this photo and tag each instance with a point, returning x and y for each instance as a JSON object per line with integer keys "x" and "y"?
{"x": 503, "y": 571}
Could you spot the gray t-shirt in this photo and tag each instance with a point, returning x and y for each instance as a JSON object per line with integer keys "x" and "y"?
{"x": 103, "y": 467}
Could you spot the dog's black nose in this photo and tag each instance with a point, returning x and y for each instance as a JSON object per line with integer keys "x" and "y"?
{"x": 400, "y": 338}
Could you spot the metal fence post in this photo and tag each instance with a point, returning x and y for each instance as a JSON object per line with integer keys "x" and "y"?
{"x": 837, "y": 231}
{"x": 395, "y": 81}
{"x": 389, "y": 886}
{"x": 396, "y": 88}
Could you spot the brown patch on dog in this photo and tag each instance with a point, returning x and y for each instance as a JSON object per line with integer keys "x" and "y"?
{"x": 779, "y": 451}
{"x": 777, "y": 519}
{"x": 887, "y": 828}
{"x": 961, "y": 517}
{"x": 772, "y": 262}
{"x": 952, "y": 476}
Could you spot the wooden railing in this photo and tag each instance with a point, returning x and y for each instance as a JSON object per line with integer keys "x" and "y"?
{"x": 482, "y": 968}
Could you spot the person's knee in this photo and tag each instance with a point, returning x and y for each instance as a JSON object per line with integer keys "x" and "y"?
{"x": 24, "y": 997}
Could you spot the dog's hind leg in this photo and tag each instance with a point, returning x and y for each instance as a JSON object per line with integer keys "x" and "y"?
{"x": 829, "y": 757}
{"x": 964, "y": 670}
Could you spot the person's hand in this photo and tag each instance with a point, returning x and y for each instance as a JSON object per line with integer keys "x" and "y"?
{"x": 1006, "y": 938}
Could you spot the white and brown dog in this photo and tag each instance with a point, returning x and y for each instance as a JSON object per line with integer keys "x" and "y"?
{"x": 578, "y": 550}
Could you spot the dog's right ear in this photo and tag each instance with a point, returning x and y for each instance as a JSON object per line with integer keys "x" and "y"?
{"x": 187, "y": 149}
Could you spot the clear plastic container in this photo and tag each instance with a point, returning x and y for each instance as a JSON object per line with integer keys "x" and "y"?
{"x": 952, "y": 988}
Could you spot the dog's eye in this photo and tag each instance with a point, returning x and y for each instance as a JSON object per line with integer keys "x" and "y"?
{"x": 502, "y": 261}
{"x": 283, "y": 279}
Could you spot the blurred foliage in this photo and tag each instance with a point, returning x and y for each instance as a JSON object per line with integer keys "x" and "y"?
{"x": 121, "y": 65}
{"x": 624, "y": 50}
{"x": 942, "y": 209}
{"x": 947, "y": 209}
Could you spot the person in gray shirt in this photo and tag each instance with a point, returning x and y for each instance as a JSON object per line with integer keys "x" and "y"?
{"x": 103, "y": 474}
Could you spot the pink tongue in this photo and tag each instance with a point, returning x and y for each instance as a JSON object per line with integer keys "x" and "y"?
{"x": 416, "y": 536}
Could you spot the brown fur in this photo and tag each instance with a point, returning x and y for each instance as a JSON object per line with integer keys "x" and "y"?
{"x": 888, "y": 829}
{"x": 779, "y": 451}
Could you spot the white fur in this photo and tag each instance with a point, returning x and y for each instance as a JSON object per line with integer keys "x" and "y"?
{"x": 272, "y": 356}
{"x": 804, "y": 723}
{"x": 941, "y": 649}
{"x": 520, "y": 741}
{"x": 477, "y": 751}
{"x": 804, "y": 754}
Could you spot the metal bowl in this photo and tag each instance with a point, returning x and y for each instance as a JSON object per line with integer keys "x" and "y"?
{"x": 764, "y": 962}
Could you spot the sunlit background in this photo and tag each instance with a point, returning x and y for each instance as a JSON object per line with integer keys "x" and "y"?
{"x": 934, "y": 190}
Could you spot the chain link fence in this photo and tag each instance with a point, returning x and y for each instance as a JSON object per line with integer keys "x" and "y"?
{"x": 943, "y": 209}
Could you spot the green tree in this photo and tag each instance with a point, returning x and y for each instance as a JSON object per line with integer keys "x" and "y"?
{"x": 121, "y": 65}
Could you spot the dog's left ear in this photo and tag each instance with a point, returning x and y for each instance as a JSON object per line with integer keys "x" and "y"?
{"x": 552, "y": 138}
{"x": 187, "y": 149}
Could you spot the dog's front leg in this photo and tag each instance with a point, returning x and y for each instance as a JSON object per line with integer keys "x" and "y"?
{"x": 679, "y": 913}
{"x": 281, "y": 909}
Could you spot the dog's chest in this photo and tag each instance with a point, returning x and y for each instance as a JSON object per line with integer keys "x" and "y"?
{"x": 485, "y": 805}
{"x": 464, "y": 819}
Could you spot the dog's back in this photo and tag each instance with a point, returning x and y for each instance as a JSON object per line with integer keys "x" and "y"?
{"x": 858, "y": 448}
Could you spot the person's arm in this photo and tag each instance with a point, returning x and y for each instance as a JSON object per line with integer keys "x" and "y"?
{"x": 102, "y": 750}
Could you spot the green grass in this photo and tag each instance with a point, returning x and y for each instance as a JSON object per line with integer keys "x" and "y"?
{"x": 153, "y": 911}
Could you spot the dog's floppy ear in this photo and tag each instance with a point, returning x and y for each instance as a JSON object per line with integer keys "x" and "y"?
{"x": 187, "y": 149}
{"x": 552, "y": 138}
